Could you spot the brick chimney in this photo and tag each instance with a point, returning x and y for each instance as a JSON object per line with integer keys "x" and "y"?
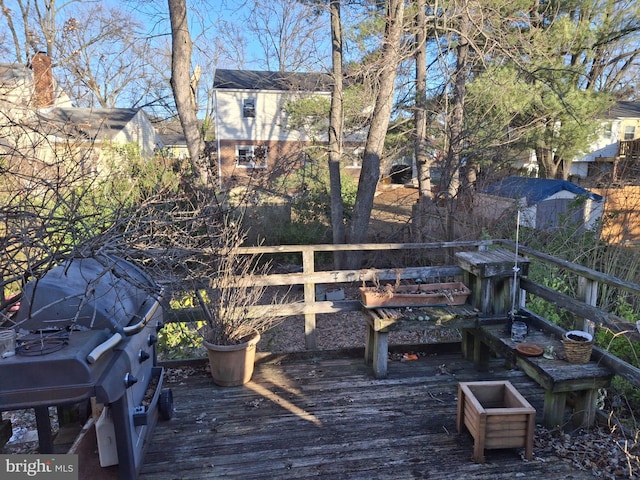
{"x": 43, "y": 80}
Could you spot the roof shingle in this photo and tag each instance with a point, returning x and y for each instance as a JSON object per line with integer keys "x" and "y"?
{"x": 264, "y": 80}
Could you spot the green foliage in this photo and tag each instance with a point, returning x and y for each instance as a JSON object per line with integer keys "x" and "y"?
{"x": 555, "y": 280}
{"x": 133, "y": 178}
{"x": 623, "y": 396}
{"x": 619, "y": 345}
{"x": 311, "y": 113}
{"x": 308, "y": 111}
{"x": 180, "y": 340}
{"x": 304, "y": 233}
{"x": 311, "y": 207}
{"x": 312, "y": 204}
{"x": 495, "y": 97}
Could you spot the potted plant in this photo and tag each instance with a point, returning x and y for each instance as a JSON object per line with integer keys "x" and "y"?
{"x": 418, "y": 295}
{"x": 577, "y": 346}
{"x": 235, "y": 312}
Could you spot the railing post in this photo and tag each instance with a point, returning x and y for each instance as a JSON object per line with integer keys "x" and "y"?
{"x": 588, "y": 293}
{"x": 489, "y": 274}
{"x": 310, "y": 333}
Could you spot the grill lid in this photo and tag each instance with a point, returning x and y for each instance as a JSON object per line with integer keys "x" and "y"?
{"x": 86, "y": 293}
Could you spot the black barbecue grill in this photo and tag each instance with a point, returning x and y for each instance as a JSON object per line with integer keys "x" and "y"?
{"x": 87, "y": 329}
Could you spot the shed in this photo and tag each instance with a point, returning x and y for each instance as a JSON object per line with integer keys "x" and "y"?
{"x": 544, "y": 203}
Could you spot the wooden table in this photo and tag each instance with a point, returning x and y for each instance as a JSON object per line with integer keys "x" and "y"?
{"x": 557, "y": 376}
{"x": 381, "y": 321}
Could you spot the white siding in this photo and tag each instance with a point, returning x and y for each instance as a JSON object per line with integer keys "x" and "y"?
{"x": 139, "y": 130}
{"x": 270, "y": 121}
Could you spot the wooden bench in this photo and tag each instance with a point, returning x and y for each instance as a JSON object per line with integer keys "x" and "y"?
{"x": 558, "y": 377}
{"x": 381, "y": 321}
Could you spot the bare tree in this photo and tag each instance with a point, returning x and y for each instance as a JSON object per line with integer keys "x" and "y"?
{"x": 102, "y": 57}
{"x": 182, "y": 87}
{"x": 420, "y": 115}
{"x": 335, "y": 130}
{"x": 56, "y": 205}
{"x": 390, "y": 56}
{"x": 289, "y": 34}
{"x": 32, "y": 24}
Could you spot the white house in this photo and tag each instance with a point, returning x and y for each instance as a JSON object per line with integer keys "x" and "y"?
{"x": 102, "y": 127}
{"x": 252, "y": 132}
{"x": 26, "y": 88}
{"x": 39, "y": 121}
{"x": 618, "y": 142}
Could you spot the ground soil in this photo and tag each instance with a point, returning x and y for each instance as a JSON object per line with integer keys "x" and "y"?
{"x": 341, "y": 330}
{"x": 391, "y": 213}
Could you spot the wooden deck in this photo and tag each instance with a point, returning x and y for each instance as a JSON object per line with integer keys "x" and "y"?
{"x": 323, "y": 415}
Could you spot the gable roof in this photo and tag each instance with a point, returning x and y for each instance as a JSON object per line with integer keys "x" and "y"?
{"x": 91, "y": 123}
{"x": 624, "y": 110}
{"x": 173, "y": 139}
{"x": 264, "y": 80}
{"x": 536, "y": 189}
{"x": 11, "y": 72}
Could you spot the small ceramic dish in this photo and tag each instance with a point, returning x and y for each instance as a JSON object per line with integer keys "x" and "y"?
{"x": 529, "y": 349}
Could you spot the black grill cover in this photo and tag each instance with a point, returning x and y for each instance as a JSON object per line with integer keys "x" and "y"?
{"x": 93, "y": 293}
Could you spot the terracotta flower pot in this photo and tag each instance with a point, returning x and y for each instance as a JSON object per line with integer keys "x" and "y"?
{"x": 424, "y": 295}
{"x": 232, "y": 365}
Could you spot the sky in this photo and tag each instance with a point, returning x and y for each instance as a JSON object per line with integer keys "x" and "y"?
{"x": 215, "y": 25}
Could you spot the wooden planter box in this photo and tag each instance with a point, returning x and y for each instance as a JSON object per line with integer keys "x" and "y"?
{"x": 497, "y": 416}
{"x": 423, "y": 295}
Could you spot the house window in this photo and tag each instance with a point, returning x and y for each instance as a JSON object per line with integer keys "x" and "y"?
{"x": 607, "y": 130}
{"x": 249, "y": 108}
{"x": 629, "y": 132}
{"x": 251, "y": 156}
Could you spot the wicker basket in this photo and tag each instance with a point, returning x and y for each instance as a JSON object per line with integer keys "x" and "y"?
{"x": 578, "y": 351}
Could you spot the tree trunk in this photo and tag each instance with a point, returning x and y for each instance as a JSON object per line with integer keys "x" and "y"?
{"x": 374, "y": 146}
{"x": 456, "y": 123}
{"x": 182, "y": 89}
{"x": 546, "y": 163}
{"x": 335, "y": 134}
{"x": 423, "y": 162}
{"x": 450, "y": 181}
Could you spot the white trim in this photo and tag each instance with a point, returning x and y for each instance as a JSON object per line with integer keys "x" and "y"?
{"x": 252, "y": 149}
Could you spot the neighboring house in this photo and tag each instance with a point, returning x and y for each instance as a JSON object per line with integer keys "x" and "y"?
{"x": 99, "y": 132}
{"x": 615, "y": 155}
{"x": 174, "y": 145}
{"x": 544, "y": 204}
{"x": 40, "y": 122}
{"x": 252, "y": 132}
{"x": 26, "y": 88}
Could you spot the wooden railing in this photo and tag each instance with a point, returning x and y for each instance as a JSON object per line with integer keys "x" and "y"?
{"x": 309, "y": 278}
{"x": 583, "y": 305}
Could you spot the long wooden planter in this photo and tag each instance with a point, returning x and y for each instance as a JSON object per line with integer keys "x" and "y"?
{"x": 497, "y": 416}
{"x": 423, "y": 295}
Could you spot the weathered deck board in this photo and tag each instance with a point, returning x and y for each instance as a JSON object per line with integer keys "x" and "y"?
{"x": 324, "y": 416}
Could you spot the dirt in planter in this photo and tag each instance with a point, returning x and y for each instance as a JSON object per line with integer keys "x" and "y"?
{"x": 576, "y": 338}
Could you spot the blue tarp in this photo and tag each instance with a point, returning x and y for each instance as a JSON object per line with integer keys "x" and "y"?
{"x": 536, "y": 189}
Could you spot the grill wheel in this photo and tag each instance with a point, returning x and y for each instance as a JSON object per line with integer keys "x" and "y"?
{"x": 165, "y": 404}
